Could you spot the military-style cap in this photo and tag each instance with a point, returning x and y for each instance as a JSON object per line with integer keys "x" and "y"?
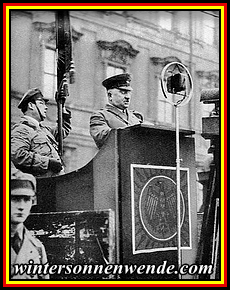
{"x": 31, "y": 95}
{"x": 121, "y": 81}
{"x": 23, "y": 181}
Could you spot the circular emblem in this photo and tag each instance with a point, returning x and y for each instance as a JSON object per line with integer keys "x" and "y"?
{"x": 158, "y": 208}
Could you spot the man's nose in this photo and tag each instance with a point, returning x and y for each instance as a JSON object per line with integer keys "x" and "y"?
{"x": 21, "y": 204}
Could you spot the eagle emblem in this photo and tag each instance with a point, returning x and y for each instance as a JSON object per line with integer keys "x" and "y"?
{"x": 158, "y": 208}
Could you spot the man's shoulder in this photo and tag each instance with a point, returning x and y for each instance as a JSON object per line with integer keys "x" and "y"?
{"x": 25, "y": 125}
{"x": 98, "y": 112}
{"x": 104, "y": 113}
{"x": 108, "y": 110}
{"x": 138, "y": 115}
{"x": 22, "y": 128}
{"x": 103, "y": 109}
{"x": 35, "y": 241}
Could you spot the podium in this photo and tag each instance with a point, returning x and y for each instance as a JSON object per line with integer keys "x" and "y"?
{"x": 134, "y": 175}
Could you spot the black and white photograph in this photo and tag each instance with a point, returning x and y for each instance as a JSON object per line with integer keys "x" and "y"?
{"x": 114, "y": 144}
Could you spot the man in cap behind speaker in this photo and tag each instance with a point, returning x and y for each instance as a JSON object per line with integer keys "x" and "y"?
{"x": 25, "y": 248}
{"x": 34, "y": 147}
{"x": 116, "y": 113}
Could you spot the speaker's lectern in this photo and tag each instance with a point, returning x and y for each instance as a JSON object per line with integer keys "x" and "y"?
{"x": 134, "y": 174}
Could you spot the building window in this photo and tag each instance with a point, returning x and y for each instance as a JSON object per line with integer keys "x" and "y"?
{"x": 205, "y": 28}
{"x": 165, "y": 109}
{"x": 182, "y": 19}
{"x": 166, "y": 20}
{"x": 50, "y": 73}
{"x": 47, "y": 38}
{"x": 165, "y": 112}
{"x": 208, "y": 28}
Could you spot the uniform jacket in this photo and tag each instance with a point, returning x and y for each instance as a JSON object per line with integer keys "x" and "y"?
{"x": 32, "y": 146}
{"x": 31, "y": 249}
{"x": 102, "y": 121}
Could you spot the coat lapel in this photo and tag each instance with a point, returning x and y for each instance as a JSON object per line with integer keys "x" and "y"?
{"x": 28, "y": 250}
{"x": 117, "y": 113}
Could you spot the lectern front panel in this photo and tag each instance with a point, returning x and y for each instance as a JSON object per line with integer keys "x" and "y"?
{"x": 147, "y": 208}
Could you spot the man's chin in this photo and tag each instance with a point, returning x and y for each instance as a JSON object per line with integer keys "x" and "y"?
{"x": 18, "y": 220}
{"x": 125, "y": 106}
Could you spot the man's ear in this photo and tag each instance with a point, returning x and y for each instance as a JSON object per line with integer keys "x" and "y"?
{"x": 109, "y": 95}
{"x": 29, "y": 106}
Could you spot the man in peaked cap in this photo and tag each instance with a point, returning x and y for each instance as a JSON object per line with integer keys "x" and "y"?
{"x": 31, "y": 95}
{"x": 34, "y": 147}
{"x": 116, "y": 113}
{"x": 25, "y": 248}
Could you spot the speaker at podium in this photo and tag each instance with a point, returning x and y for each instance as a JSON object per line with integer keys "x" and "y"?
{"x": 134, "y": 175}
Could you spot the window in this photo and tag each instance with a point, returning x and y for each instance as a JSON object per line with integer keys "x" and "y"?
{"x": 50, "y": 73}
{"x": 182, "y": 22}
{"x": 165, "y": 109}
{"x": 205, "y": 27}
{"x": 47, "y": 38}
{"x": 208, "y": 28}
{"x": 165, "y": 19}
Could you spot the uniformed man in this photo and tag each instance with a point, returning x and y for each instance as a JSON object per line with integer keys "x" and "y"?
{"x": 34, "y": 147}
{"x": 25, "y": 248}
{"x": 116, "y": 113}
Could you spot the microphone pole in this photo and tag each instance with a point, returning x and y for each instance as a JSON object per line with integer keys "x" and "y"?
{"x": 178, "y": 187}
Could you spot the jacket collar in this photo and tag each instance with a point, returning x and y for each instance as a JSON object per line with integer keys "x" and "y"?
{"x": 29, "y": 121}
{"x": 118, "y": 113}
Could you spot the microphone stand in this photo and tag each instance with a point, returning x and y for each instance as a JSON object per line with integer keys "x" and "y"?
{"x": 188, "y": 94}
{"x": 178, "y": 187}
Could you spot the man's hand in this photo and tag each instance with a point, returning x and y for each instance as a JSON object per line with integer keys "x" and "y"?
{"x": 63, "y": 92}
{"x": 54, "y": 165}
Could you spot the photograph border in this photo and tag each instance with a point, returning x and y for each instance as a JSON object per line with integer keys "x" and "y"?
{"x": 6, "y": 137}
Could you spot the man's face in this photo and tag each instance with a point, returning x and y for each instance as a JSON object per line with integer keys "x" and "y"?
{"x": 20, "y": 206}
{"x": 120, "y": 98}
{"x": 42, "y": 107}
{"x": 39, "y": 109}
